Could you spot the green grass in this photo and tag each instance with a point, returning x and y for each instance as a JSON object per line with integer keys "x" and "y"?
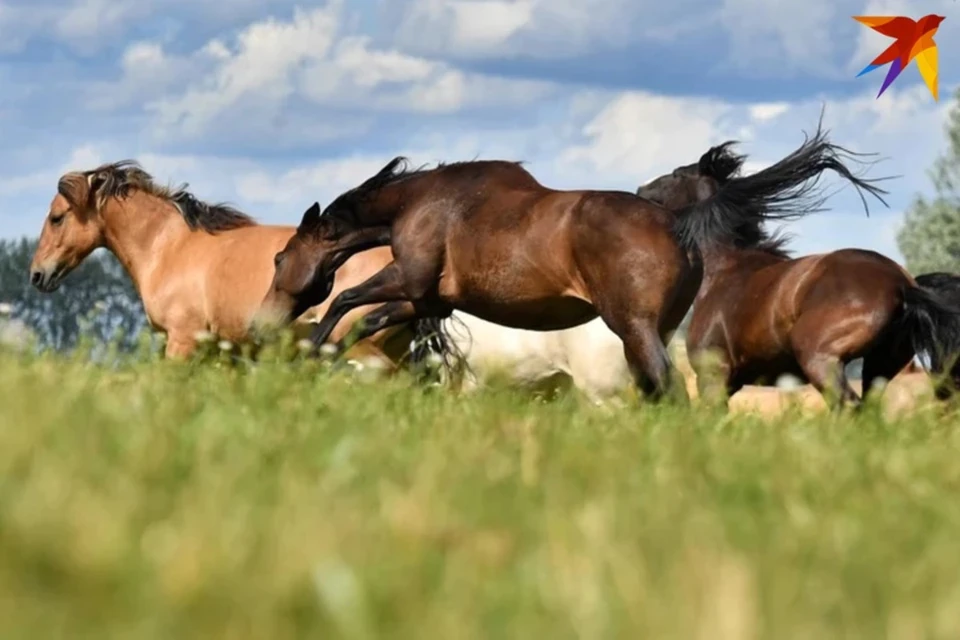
{"x": 195, "y": 501}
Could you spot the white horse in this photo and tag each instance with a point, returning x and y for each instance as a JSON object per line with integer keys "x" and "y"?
{"x": 590, "y": 356}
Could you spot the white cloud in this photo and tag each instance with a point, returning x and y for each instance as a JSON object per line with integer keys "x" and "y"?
{"x": 259, "y": 70}
{"x": 539, "y": 28}
{"x": 768, "y": 35}
{"x": 640, "y": 135}
{"x": 768, "y": 111}
{"x": 248, "y": 84}
{"x": 86, "y": 23}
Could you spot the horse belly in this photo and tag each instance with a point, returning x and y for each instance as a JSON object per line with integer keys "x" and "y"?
{"x": 517, "y": 299}
{"x": 534, "y": 314}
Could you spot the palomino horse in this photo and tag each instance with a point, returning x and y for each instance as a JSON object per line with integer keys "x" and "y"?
{"x": 197, "y": 266}
{"x": 486, "y": 238}
{"x": 764, "y": 314}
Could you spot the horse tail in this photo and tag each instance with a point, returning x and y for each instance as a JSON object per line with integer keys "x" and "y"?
{"x": 933, "y": 323}
{"x": 431, "y": 336}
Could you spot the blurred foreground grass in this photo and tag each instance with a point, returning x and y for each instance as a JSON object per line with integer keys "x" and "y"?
{"x": 189, "y": 501}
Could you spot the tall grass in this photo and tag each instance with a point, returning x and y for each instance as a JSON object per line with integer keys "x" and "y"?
{"x": 159, "y": 500}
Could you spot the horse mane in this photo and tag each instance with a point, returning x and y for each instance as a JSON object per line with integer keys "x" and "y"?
{"x": 348, "y": 207}
{"x": 786, "y": 190}
{"x": 117, "y": 179}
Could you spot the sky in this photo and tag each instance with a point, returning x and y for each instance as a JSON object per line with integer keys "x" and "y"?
{"x": 272, "y": 105}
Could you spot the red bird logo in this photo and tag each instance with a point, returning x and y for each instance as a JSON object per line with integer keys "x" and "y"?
{"x": 914, "y": 39}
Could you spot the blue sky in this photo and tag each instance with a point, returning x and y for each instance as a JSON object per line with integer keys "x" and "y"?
{"x": 271, "y": 104}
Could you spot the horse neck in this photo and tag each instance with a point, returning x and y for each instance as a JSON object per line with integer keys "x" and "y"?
{"x": 142, "y": 231}
{"x": 390, "y": 200}
{"x": 722, "y": 263}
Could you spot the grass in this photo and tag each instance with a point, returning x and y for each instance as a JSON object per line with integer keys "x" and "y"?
{"x": 159, "y": 500}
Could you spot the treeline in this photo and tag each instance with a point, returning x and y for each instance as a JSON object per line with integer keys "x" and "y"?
{"x": 96, "y": 300}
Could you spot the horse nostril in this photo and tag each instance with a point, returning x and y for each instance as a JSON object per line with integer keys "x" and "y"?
{"x": 35, "y": 278}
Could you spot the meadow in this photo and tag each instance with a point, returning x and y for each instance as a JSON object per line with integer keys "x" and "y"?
{"x": 284, "y": 500}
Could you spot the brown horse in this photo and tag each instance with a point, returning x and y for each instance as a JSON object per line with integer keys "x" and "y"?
{"x": 197, "y": 266}
{"x": 764, "y": 313}
{"x": 486, "y": 238}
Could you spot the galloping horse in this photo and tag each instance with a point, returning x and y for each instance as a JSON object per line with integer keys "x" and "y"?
{"x": 197, "y": 266}
{"x": 764, "y": 313}
{"x": 486, "y": 238}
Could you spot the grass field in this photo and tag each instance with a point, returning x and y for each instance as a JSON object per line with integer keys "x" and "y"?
{"x": 196, "y": 501}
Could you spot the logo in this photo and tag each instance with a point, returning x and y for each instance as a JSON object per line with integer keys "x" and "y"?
{"x": 913, "y": 40}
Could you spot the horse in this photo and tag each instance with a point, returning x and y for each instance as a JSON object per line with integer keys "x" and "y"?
{"x": 763, "y": 313}
{"x": 198, "y": 267}
{"x": 588, "y": 357}
{"x": 486, "y": 238}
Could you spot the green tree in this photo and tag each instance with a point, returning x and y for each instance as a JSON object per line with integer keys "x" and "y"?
{"x": 99, "y": 289}
{"x": 930, "y": 236}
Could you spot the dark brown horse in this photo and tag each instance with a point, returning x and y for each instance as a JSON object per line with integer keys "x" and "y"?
{"x": 486, "y": 238}
{"x": 763, "y": 313}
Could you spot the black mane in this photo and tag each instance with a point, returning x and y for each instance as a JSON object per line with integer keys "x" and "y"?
{"x": 720, "y": 163}
{"x": 786, "y": 190}
{"x": 348, "y": 207}
{"x": 118, "y": 178}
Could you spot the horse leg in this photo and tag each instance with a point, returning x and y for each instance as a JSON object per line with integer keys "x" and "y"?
{"x": 180, "y": 346}
{"x": 645, "y": 353}
{"x": 825, "y": 371}
{"x": 387, "y": 315}
{"x": 384, "y": 286}
{"x": 712, "y": 366}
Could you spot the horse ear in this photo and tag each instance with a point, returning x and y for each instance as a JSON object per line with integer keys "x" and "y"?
{"x": 705, "y": 164}
{"x": 311, "y": 215}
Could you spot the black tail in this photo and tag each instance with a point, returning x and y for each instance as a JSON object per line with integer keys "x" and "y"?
{"x": 430, "y": 336}
{"x": 933, "y": 323}
{"x": 786, "y": 190}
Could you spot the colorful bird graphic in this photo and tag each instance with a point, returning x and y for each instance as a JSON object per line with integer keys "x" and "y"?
{"x": 914, "y": 39}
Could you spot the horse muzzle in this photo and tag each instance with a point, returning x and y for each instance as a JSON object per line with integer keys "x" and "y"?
{"x": 47, "y": 280}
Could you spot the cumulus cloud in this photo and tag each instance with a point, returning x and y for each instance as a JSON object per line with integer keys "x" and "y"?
{"x": 535, "y": 28}
{"x": 276, "y": 68}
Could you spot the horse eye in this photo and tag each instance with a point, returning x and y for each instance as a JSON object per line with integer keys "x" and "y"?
{"x": 277, "y": 259}
{"x": 56, "y": 220}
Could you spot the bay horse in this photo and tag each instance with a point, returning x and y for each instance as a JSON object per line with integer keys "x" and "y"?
{"x": 763, "y": 313}
{"x": 486, "y": 238}
{"x": 197, "y": 267}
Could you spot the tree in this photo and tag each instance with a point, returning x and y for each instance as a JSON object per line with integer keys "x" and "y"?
{"x": 99, "y": 290}
{"x": 930, "y": 236}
